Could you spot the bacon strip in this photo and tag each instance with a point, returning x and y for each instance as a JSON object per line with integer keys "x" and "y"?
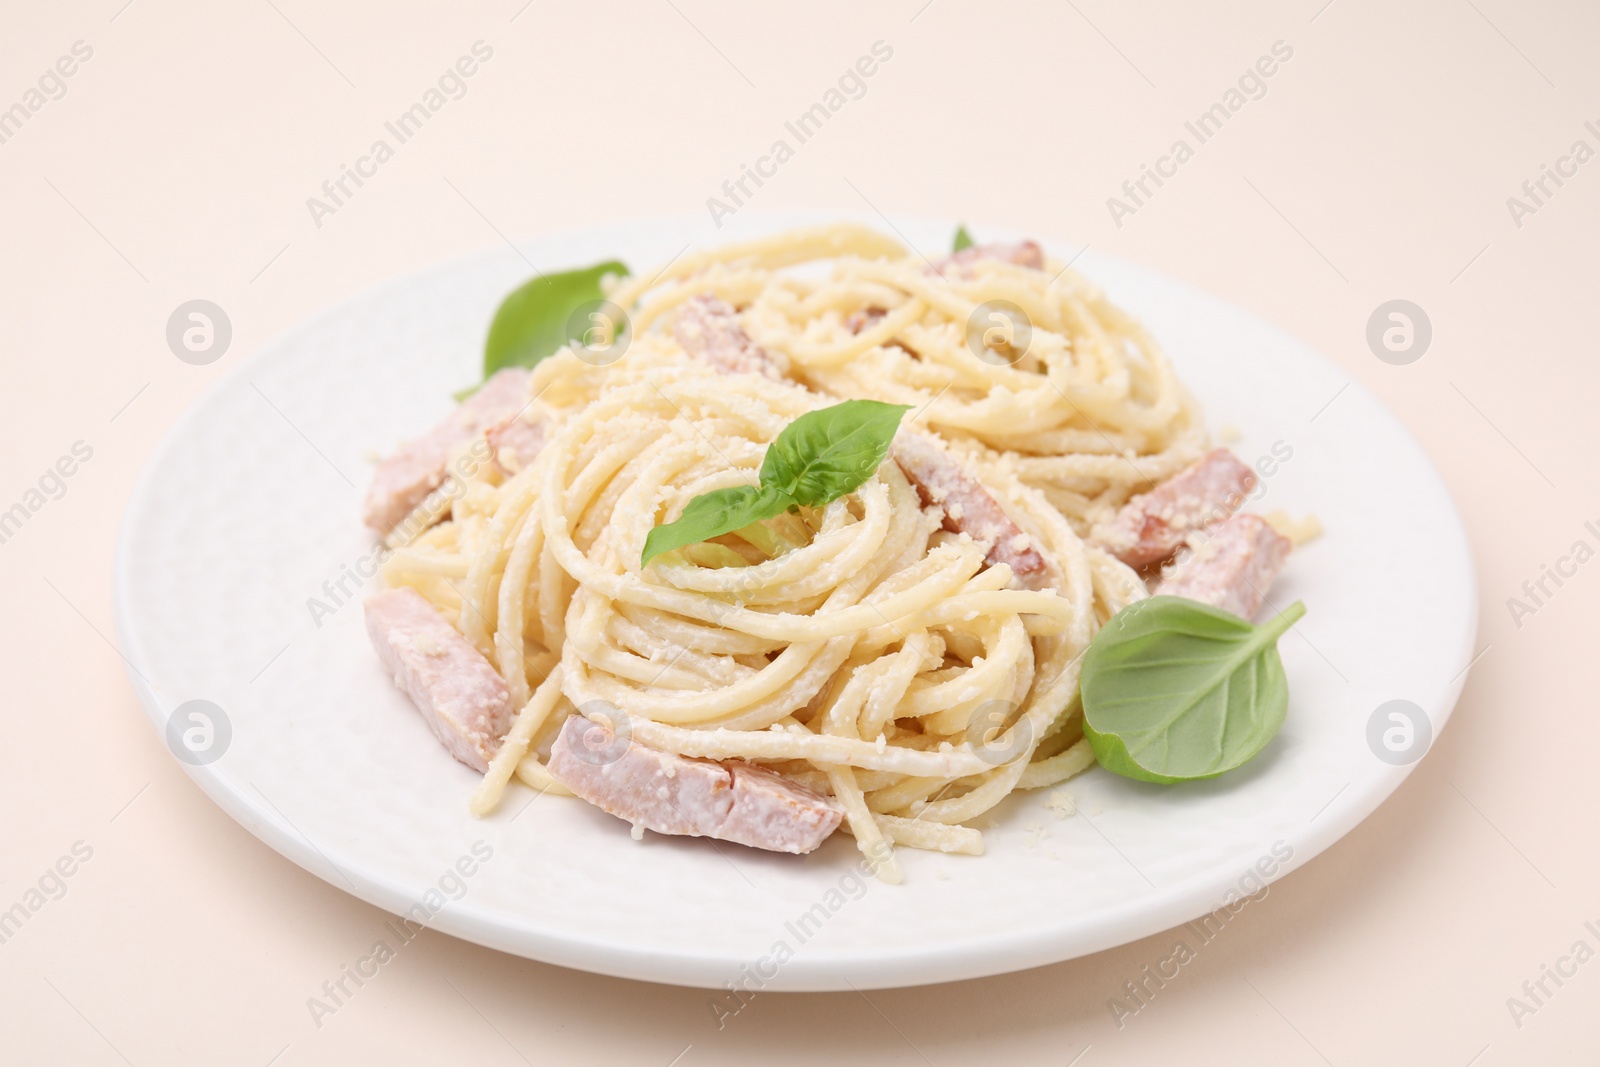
{"x": 862, "y": 318}
{"x": 1153, "y": 525}
{"x": 672, "y": 794}
{"x": 463, "y": 699}
{"x": 708, "y": 327}
{"x": 1232, "y": 566}
{"x": 418, "y": 467}
{"x": 1022, "y": 253}
{"x": 968, "y": 507}
{"x": 516, "y": 442}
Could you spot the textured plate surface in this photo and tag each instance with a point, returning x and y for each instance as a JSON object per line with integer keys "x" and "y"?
{"x": 251, "y": 508}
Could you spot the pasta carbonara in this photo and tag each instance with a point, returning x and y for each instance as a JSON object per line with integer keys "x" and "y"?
{"x": 886, "y": 652}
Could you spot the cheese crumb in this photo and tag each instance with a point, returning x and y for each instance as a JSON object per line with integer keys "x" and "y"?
{"x": 1298, "y": 531}
{"x": 1229, "y": 434}
{"x": 1061, "y": 804}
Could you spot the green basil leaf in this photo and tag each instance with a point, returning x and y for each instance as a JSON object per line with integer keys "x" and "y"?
{"x": 712, "y": 515}
{"x": 963, "y": 239}
{"x": 818, "y": 458}
{"x": 532, "y": 320}
{"x": 1174, "y": 690}
{"x": 825, "y": 454}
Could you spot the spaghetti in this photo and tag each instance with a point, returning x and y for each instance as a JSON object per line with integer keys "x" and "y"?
{"x": 861, "y": 648}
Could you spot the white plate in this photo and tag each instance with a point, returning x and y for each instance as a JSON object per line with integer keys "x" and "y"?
{"x": 251, "y": 504}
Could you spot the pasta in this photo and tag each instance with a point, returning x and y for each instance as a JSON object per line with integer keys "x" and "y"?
{"x": 1089, "y": 416}
{"x": 861, "y": 648}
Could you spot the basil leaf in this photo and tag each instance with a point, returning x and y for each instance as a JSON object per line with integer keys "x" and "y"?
{"x": 532, "y": 320}
{"x": 818, "y": 458}
{"x": 712, "y": 515}
{"x": 1174, "y": 690}
{"x": 825, "y": 454}
{"x": 963, "y": 239}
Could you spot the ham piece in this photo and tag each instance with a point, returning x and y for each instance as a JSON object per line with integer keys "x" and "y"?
{"x": 672, "y": 794}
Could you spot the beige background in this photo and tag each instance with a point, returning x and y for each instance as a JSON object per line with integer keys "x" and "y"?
{"x": 1377, "y": 166}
